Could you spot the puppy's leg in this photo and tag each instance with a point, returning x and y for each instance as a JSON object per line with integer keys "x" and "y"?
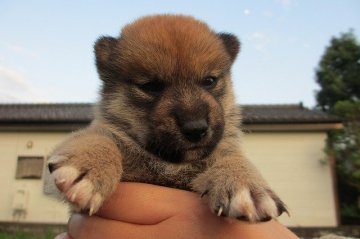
{"x": 234, "y": 188}
{"x": 86, "y": 168}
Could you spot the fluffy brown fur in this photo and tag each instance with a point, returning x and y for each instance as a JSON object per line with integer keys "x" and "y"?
{"x": 167, "y": 116}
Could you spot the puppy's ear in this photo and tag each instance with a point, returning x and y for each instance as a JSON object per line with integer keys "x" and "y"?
{"x": 231, "y": 43}
{"x": 104, "y": 47}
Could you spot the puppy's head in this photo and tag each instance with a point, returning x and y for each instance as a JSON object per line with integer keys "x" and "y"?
{"x": 166, "y": 83}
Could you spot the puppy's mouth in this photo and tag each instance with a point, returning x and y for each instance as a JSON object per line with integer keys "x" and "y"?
{"x": 174, "y": 154}
{"x": 196, "y": 148}
{"x": 166, "y": 152}
{"x": 173, "y": 149}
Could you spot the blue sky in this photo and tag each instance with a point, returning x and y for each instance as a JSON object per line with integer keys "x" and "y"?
{"x": 46, "y": 47}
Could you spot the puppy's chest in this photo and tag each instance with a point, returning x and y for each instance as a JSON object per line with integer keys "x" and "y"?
{"x": 149, "y": 170}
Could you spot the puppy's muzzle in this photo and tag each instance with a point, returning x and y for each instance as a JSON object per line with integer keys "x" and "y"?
{"x": 194, "y": 130}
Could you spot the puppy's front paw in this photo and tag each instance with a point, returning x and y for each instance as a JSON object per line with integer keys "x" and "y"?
{"x": 81, "y": 182}
{"x": 253, "y": 202}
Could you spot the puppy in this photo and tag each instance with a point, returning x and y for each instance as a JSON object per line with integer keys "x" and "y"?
{"x": 166, "y": 116}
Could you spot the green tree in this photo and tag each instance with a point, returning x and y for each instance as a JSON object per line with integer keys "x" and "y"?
{"x": 339, "y": 72}
{"x": 338, "y": 75}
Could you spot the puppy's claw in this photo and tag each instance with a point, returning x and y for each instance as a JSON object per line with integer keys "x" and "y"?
{"x": 204, "y": 193}
{"x": 51, "y": 167}
{"x": 95, "y": 203}
{"x": 282, "y": 209}
{"x": 91, "y": 211}
{"x": 220, "y": 211}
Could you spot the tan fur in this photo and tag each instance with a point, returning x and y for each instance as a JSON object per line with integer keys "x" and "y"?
{"x": 155, "y": 84}
{"x": 93, "y": 148}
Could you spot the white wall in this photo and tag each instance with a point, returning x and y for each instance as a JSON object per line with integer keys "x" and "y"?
{"x": 40, "y": 207}
{"x": 290, "y": 162}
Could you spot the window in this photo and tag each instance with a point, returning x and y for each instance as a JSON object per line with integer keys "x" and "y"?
{"x": 29, "y": 167}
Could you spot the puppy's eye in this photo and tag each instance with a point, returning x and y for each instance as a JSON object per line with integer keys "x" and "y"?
{"x": 209, "y": 82}
{"x": 152, "y": 87}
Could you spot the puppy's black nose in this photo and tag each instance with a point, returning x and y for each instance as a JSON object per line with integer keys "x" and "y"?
{"x": 194, "y": 130}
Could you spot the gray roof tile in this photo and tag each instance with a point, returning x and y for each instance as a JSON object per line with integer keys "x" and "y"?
{"x": 82, "y": 113}
{"x": 276, "y": 114}
{"x": 50, "y": 113}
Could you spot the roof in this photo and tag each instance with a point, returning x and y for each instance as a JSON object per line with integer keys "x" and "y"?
{"x": 81, "y": 113}
{"x": 281, "y": 114}
{"x": 50, "y": 113}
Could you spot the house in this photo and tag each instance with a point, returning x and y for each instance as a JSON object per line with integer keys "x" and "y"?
{"x": 286, "y": 143}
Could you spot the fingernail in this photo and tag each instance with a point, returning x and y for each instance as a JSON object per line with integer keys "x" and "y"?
{"x": 63, "y": 235}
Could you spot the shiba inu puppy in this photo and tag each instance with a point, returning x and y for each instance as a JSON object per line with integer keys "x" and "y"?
{"x": 167, "y": 116}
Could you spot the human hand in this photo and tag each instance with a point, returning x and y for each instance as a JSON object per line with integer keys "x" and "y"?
{"x": 147, "y": 211}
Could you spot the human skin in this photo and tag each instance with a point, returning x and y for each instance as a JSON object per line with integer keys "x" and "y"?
{"x": 147, "y": 211}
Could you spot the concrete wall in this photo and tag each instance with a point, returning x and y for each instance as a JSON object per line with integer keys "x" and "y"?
{"x": 289, "y": 161}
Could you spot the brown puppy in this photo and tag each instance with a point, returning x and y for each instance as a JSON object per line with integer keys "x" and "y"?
{"x": 167, "y": 116}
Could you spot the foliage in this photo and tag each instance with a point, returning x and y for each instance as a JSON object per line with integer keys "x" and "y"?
{"x": 339, "y": 72}
{"x": 345, "y": 143}
{"x": 338, "y": 75}
{"x": 26, "y": 235}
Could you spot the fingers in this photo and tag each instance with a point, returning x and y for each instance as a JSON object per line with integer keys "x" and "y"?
{"x": 147, "y": 204}
{"x": 85, "y": 227}
{"x": 147, "y": 211}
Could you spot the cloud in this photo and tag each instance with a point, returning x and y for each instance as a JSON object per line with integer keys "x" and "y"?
{"x": 284, "y": 2}
{"x": 306, "y": 45}
{"x": 260, "y": 40}
{"x": 14, "y": 87}
{"x": 19, "y": 50}
{"x": 268, "y": 14}
{"x": 247, "y": 12}
{"x": 287, "y": 3}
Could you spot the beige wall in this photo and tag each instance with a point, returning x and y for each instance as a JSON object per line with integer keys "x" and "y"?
{"x": 40, "y": 207}
{"x": 291, "y": 164}
{"x": 289, "y": 161}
